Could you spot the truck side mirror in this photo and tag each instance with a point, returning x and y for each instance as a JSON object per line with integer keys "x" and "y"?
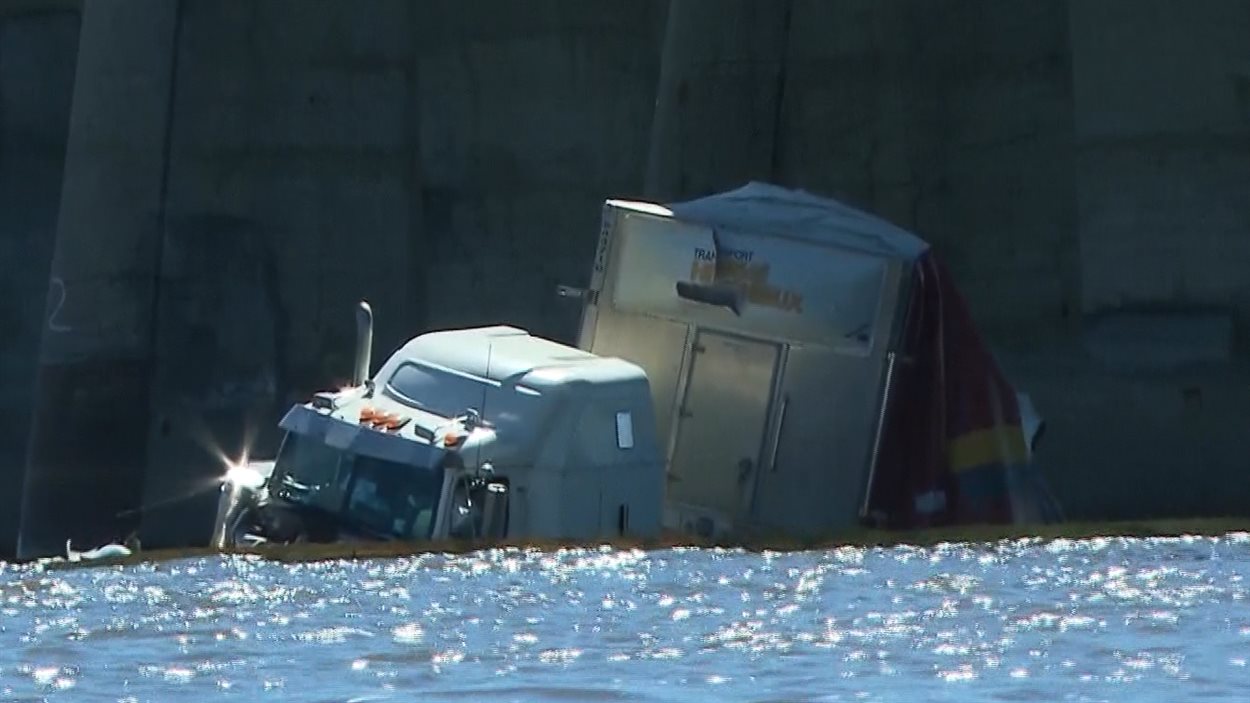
{"x": 462, "y": 511}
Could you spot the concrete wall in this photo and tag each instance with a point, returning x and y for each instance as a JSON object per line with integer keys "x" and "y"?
{"x": 531, "y": 114}
{"x": 95, "y": 363}
{"x": 1162, "y": 115}
{"x": 37, "y": 58}
{"x": 989, "y": 131}
{"x": 292, "y": 173}
{"x": 717, "y": 113}
{"x": 1150, "y": 402}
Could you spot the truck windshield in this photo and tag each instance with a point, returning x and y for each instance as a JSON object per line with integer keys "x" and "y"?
{"x": 434, "y": 390}
{"x": 385, "y": 497}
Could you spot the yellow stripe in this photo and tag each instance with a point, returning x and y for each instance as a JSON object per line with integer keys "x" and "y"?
{"x": 994, "y": 445}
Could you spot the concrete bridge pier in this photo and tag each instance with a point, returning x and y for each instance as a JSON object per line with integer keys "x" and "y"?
{"x": 87, "y": 447}
{"x": 718, "y": 98}
{"x": 38, "y": 44}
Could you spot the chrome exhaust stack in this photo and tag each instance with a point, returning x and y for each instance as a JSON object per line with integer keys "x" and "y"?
{"x": 364, "y": 343}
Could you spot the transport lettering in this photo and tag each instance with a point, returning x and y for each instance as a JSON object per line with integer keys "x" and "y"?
{"x": 743, "y": 255}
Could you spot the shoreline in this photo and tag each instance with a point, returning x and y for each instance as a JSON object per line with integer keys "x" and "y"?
{"x": 862, "y": 538}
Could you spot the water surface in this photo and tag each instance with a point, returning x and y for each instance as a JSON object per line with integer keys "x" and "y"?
{"x": 1091, "y": 620}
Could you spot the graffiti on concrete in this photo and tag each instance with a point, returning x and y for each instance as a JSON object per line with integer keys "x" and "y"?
{"x": 58, "y": 286}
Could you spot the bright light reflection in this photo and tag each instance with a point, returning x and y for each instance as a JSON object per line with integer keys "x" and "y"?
{"x": 244, "y": 475}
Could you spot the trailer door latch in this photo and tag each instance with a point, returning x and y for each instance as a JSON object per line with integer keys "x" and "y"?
{"x": 583, "y": 294}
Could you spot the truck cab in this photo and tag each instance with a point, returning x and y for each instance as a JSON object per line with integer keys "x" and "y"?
{"x": 481, "y": 434}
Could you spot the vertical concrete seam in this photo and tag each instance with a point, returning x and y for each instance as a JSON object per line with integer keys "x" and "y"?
{"x": 416, "y": 296}
{"x": 9, "y": 549}
{"x": 779, "y": 95}
{"x": 166, "y": 147}
{"x": 23, "y": 488}
{"x": 660, "y": 114}
{"x": 3, "y": 21}
{"x": 158, "y": 256}
{"x": 1071, "y": 267}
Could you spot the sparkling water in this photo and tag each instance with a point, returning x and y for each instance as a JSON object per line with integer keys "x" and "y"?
{"x": 1088, "y": 620}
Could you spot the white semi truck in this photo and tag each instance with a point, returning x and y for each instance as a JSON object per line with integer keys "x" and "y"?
{"x": 476, "y": 434}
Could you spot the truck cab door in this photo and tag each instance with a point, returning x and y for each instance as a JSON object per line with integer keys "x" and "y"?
{"x": 495, "y": 510}
{"x": 478, "y": 509}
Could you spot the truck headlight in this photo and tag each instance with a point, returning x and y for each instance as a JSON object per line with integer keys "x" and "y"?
{"x": 244, "y": 476}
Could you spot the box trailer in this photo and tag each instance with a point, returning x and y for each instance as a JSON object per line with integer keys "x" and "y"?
{"x": 772, "y": 325}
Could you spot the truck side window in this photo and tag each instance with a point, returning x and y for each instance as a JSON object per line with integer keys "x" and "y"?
{"x": 310, "y": 472}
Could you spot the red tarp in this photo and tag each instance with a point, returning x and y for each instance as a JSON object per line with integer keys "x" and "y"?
{"x": 952, "y": 449}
